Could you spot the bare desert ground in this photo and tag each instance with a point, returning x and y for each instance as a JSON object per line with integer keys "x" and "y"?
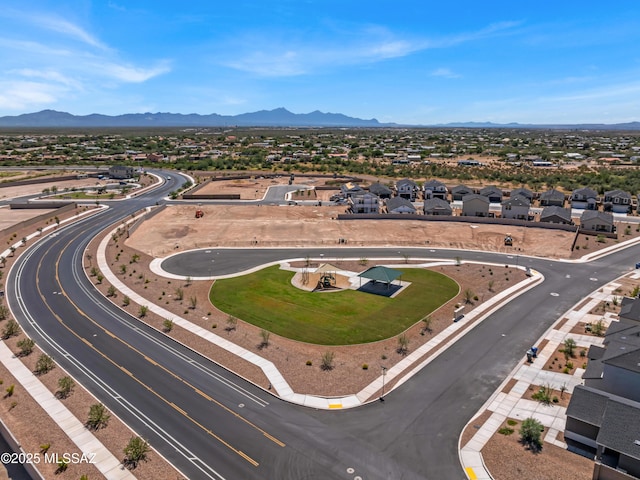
{"x": 302, "y": 226}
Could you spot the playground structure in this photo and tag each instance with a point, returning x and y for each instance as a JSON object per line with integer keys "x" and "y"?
{"x": 327, "y": 280}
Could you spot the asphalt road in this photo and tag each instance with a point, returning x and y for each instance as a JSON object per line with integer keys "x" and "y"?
{"x": 211, "y": 424}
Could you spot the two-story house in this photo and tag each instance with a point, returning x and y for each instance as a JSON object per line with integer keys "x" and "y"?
{"x": 435, "y": 189}
{"x": 516, "y": 208}
{"x": 493, "y": 193}
{"x": 475, "y": 205}
{"x": 408, "y": 189}
{"x": 364, "y": 202}
{"x": 552, "y": 198}
{"x": 617, "y": 201}
{"x": 584, "y": 199}
{"x": 603, "y": 416}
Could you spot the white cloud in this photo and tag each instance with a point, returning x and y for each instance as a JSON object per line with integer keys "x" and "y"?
{"x": 132, "y": 74}
{"x": 276, "y": 57}
{"x": 445, "y": 73}
{"x": 23, "y": 95}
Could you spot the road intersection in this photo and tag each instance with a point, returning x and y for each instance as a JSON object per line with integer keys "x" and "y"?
{"x": 211, "y": 424}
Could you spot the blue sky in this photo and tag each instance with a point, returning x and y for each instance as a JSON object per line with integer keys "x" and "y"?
{"x": 411, "y": 62}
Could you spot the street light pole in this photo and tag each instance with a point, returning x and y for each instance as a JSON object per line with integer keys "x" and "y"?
{"x": 384, "y": 370}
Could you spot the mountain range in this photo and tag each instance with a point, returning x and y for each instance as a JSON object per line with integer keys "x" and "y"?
{"x": 279, "y": 117}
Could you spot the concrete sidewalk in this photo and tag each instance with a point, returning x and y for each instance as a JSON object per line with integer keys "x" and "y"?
{"x": 504, "y": 405}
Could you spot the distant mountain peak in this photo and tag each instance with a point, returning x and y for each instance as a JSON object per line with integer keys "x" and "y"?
{"x": 278, "y": 117}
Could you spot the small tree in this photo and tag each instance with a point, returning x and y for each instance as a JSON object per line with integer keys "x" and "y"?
{"x": 99, "y": 278}
{"x": 187, "y": 281}
{"x": 491, "y": 284}
{"x": 94, "y": 271}
{"x": 44, "y": 364}
{"x": 142, "y": 312}
{"x": 135, "y": 452}
{"x": 12, "y": 249}
{"x": 598, "y": 328}
{"x": 65, "y": 387}
{"x": 326, "y": 363}
{"x": 530, "y": 431}
{"x": 126, "y": 301}
{"x": 26, "y": 346}
{"x": 179, "y": 294}
{"x": 403, "y": 344}
{"x": 134, "y": 258}
{"x": 89, "y": 256}
{"x": 167, "y": 325}
{"x": 111, "y": 291}
{"x": 232, "y": 323}
{"x": 426, "y": 324}
{"x": 4, "y": 312}
{"x": 98, "y": 417}
{"x": 264, "y": 334}
{"x": 563, "y": 388}
{"x": 569, "y": 348}
{"x": 193, "y": 301}
{"x": 11, "y": 329}
{"x": 123, "y": 269}
{"x": 468, "y": 295}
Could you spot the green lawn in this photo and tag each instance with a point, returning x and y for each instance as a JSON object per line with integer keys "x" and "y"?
{"x": 268, "y": 300}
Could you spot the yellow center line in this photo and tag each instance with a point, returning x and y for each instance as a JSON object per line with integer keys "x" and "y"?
{"x": 103, "y": 355}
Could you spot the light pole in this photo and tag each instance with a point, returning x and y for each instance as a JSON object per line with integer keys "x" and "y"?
{"x": 384, "y": 371}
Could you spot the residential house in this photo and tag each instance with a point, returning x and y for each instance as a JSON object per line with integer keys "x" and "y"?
{"x": 516, "y": 207}
{"x": 437, "y": 206}
{"x": 120, "y": 172}
{"x": 475, "y": 205}
{"x": 603, "y": 416}
{"x": 460, "y": 191}
{"x": 382, "y": 191}
{"x": 617, "y": 201}
{"x": 408, "y": 189}
{"x": 629, "y": 311}
{"x": 399, "y": 205}
{"x": 435, "y": 189}
{"x": 556, "y": 214}
{"x": 552, "y": 198}
{"x": 493, "y": 193}
{"x": 350, "y": 188}
{"x": 524, "y": 192}
{"x": 364, "y": 202}
{"x": 597, "y": 221}
{"x": 584, "y": 199}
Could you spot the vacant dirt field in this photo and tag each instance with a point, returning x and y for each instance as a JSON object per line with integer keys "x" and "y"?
{"x": 10, "y": 217}
{"x": 304, "y": 226}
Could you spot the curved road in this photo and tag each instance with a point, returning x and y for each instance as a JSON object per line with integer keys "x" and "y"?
{"x": 211, "y": 424}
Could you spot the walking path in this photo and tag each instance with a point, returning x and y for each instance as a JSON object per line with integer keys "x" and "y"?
{"x": 505, "y": 405}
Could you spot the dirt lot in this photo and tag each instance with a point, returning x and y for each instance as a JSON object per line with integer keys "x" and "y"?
{"x": 10, "y": 217}
{"x": 506, "y": 458}
{"x": 304, "y": 226}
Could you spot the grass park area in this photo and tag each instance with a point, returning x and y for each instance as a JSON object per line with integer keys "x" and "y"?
{"x": 268, "y": 300}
